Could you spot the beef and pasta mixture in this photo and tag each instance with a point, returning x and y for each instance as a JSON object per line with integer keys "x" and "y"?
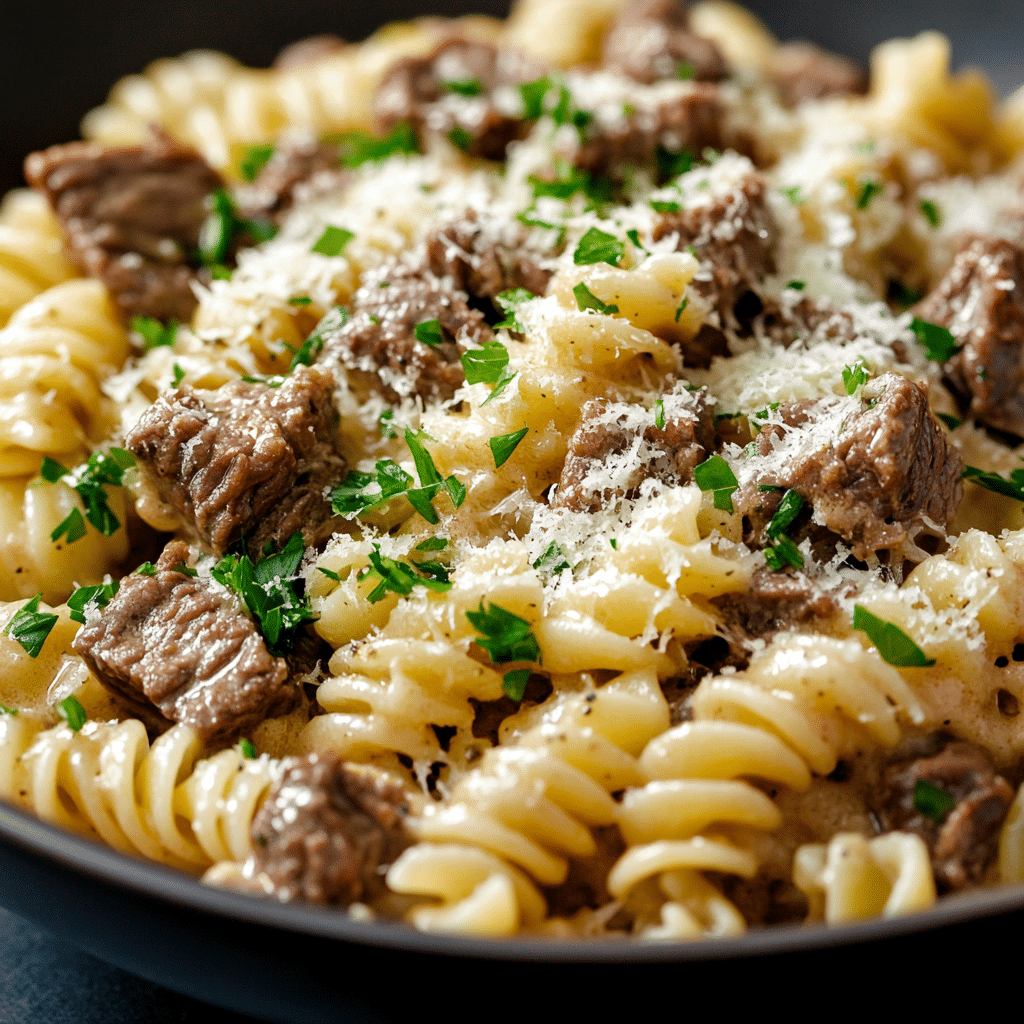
{"x": 554, "y": 476}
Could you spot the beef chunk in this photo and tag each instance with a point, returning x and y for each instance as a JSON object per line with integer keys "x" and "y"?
{"x": 870, "y": 467}
{"x": 775, "y": 601}
{"x": 378, "y": 345}
{"x": 485, "y": 257}
{"x": 617, "y": 447}
{"x": 271, "y": 195}
{"x": 650, "y": 40}
{"x": 327, "y": 829}
{"x": 963, "y": 841}
{"x": 247, "y": 457}
{"x": 734, "y": 237}
{"x": 804, "y": 72}
{"x": 420, "y": 90}
{"x": 304, "y": 52}
{"x": 183, "y": 645}
{"x": 691, "y": 121}
{"x": 981, "y": 301}
{"x": 132, "y": 218}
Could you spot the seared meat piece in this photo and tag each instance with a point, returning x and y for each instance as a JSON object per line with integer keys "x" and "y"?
{"x": 775, "y": 601}
{"x": 981, "y": 302}
{"x": 247, "y": 457}
{"x": 451, "y": 92}
{"x": 132, "y": 217}
{"x": 327, "y": 829}
{"x": 650, "y": 40}
{"x": 378, "y": 345}
{"x": 184, "y": 646}
{"x": 271, "y": 195}
{"x": 963, "y": 841}
{"x": 307, "y": 51}
{"x": 617, "y": 447}
{"x": 486, "y": 256}
{"x": 804, "y": 72}
{"x": 691, "y": 121}
{"x": 734, "y": 237}
{"x": 871, "y": 466}
{"x": 808, "y": 317}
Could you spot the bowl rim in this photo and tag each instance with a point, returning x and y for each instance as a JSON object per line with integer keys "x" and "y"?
{"x": 81, "y": 855}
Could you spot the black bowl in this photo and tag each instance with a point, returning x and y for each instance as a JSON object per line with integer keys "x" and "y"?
{"x": 292, "y": 963}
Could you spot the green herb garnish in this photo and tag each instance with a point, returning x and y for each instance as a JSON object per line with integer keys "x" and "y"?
{"x": 597, "y": 246}
{"x": 789, "y": 508}
{"x": 1012, "y": 488}
{"x": 333, "y": 320}
{"x": 398, "y": 577}
{"x": 533, "y": 94}
{"x": 938, "y": 342}
{"x": 299, "y": 300}
{"x": 672, "y": 163}
{"x": 893, "y": 644}
{"x": 179, "y": 376}
{"x": 460, "y": 138}
{"x": 681, "y": 307}
{"x": 504, "y": 636}
{"x": 357, "y": 148}
{"x": 514, "y": 683}
{"x": 468, "y": 87}
{"x": 154, "y": 334}
{"x": 951, "y": 421}
{"x": 247, "y": 749}
{"x": 98, "y": 595}
{"x": 586, "y": 299}
{"x": 783, "y": 552}
{"x": 429, "y": 332}
{"x": 931, "y": 801}
{"x": 502, "y": 447}
{"x": 797, "y": 285}
{"x": 146, "y": 569}
{"x": 684, "y": 71}
{"x": 930, "y": 212}
{"x": 30, "y": 627}
{"x": 333, "y": 241}
{"x": 485, "y": 365}
{"x": 71, "y": 710}
{"x": 553, "y": 560}
{"x": 509, "y": 302}
{"x": 854, "y": 376}
{"x": 867, "y": 191}
{"x": 221, "y": 230}
{"x": 716, "y": 476}
{"x": 104, "y": 469}
{"x": 254, "y": 160}
{"x": 659, "y": 414}
{"x": 661, "y": 206}
{"x": 793, "y": 194}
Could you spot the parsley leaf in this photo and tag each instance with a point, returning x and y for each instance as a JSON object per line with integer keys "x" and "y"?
{"x": 1012, "y": 488}
{"x": 400, "y": 577}
{"x": 680, "y": 309}
{"x": 90, "y": 481}
{"x": 783, "y": 552}
{"x": 672, "y": 163}
{"x": 146, "y": 569}
{"x": 867, "y": 191}
{"x": 893, "y": 644}
{"x": 951, "y": 421}
{"x": 797, "y": 286}
{"x": 254, "y": 160}
{"x": 71, "y": 528}
{"x": 154, "y": 334}
{"x": 300, "y": 300}
{"x": 333, "y": 241}
{"x": 329, "y": 573}
{"x": 99, "y": 595}
{"x": 504, "y": 636}
{"x": 597, "y": 246}
{"x": 571, "y": 180}
{"x": 5, "y": 710}
{"x": 684, "y": 71}
{"x": 358, "y": 148}
{"x": 468, "y": 87}
{"x": 267, "y": 591}
{"x": 432, "y": 544}
{"x": 789, "y": 508}
{"x": 223, "y": 228}
{"x": 30, "y": 627}
{"x": 939, "y": 343}
{"x": 660, "y": 206}
{"x": 716, "y": 476}
{"x": 429, "y": 332}
{"x": 659, "y": 414}
{"x": 179, "y": 376}
{"x": 514, "y": 683}
{"x": 71, "y": 710}
{"x": 533, "y": 94}
{"x": 586, "y": 299}
{"x": 247, "y": 749}
{"x": 485, "y": 365}
{"x": 854, "y": 376}
{"x": 930, "y": 212}
{"x": 794, "y": 195}
{"x": 553, "y": 560}
{"x": 305, "y": 355}
{"x": 634, "y": 236}
{"x": 509, "y": 302}
{"x": 460, "y": 138}
{"x": 502, "y": 447}
{"x": 931, "y": 801}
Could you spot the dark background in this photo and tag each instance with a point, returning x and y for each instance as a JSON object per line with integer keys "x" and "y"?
{"x": 57, "y": 62}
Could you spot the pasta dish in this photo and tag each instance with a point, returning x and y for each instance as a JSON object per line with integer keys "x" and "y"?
{"x": 509, "y": 479}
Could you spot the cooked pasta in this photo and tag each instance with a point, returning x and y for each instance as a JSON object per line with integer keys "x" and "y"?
{"x": 560, "y": 483}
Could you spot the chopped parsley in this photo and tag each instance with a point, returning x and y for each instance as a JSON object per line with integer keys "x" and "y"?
{"x": 30, "y": 627}
{"x": 267, "y": 590}
{"x": 789, "y": 508}
{"x": 299, "y": 300}
{"x": 333, "y": 320}
{"x": 659, "y": 414}
{"x": 931, "y": 801}
{"x": 247, "y": 749}
{"x": 565, "y": 111}
{"x": 503, "y": 635}
{"x": 222, "y": 230}
{"x": 904, "y": 296}
{"x": 385, "y": 424}
{"x": 254, "y": 160}
{"x": 783, "y": 552}
{"x": 179, "y": 376}
{"x": 797, "y": 285}
{"x": 571, "y": 180}
{"x": 467, "y": 87}
{"x": 429, "y": 332}
{"x": 685, "y": 71}
{"x": 672, "y": 163}
{"x": 485, "y": 365}
{"x": 398, "y": 577}
{"x": 104, "y": 469}
{"x": 329, "y": 573}
{"x": 153, "y": 333}
{"x": 71, "y": 710}
{"x": 586, "y": 299}
{"x": 432, "y": 544}
{"x": 533, "y": 94}
{"x": 5, "y": 710}
{"x": 930, "y": 212}
{"x": 614, "y": 543}
{"x": 938, "y": 342}
{"x": 460, "y": 138}
{"x": 661, "y": 206}
{"x": 597, "y": 246}
{"x": 854, "y": 376}
{"x": 681, "y": 308}
{"x": 951, "y": 421}
{"x": 867, "y": 191}
{"x": 794, "y": 195}
{"x": 634, "y": 236}
{"x": 98, "y": 595}
{"x": 893, "y": 644}
{"x": 1012, "y": 488}
{"x": 146, "y": 569}
{"x": 716, "y": 476}
{"x": 509, "y": 302}
{"x": 358, "y": 148}
{"x": 502, "y": 447}
{"x": 553, "y": 560}
{"x": 514, "y": 683}
{"x": 333, "y": 241}
{"x": 533, "y": 222}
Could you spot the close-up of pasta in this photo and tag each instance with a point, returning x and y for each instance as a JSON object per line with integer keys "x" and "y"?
{"x": 556, "y": 476}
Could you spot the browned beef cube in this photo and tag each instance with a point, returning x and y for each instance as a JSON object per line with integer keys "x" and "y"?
{"x": 775, "y": 601}
{"x": 272, "y": 193}
{"x": 449, "y": 92}
{"x": 132, "y": 217}
{"x": 734, "y": 237}
{"x": 870, "y": 477}
{"x": 247, "y": 457}
{"x": 962, "y": 840}
{"x": 981, "y": 302}
{"x": 485, "y": 257}
{"x": 327, "y": 829}
{"x": 804, "y": 72}
{"x": 617, "y": 447}
{"x": 378, "y": 345}
{"x": 183, "y": 645}
{"x": 783, "y": 326}
{"x": 651, "y": 40}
